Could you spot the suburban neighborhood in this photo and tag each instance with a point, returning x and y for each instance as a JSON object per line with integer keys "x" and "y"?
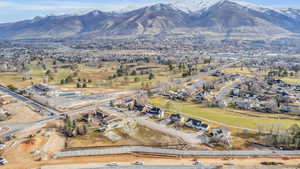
{"x": 204, "y": 84}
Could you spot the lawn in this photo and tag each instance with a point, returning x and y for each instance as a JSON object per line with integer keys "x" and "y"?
{"x": 98, "y": 76}
{"x": 37, "y": 75}
{"x": 291, "y": 80}
{"x": 61, "y": 74}
{"x": 226, "y": 116}
{"x": 126, "y": 82}
{"x": 244, "y": 71}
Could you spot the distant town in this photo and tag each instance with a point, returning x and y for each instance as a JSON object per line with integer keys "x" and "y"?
{"x": 153, "y": 88}
{"x": 61, "y": 102}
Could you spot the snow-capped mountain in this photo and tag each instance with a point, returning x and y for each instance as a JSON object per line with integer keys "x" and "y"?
{"x": 293, "y": 13}
{"x": 202, "y": 5}
{"x": 194, "y": 17}
{"x": 194, "y": 5}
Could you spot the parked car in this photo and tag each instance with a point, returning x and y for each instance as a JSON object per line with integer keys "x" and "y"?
{"x": 139, "y": 163}
{"x": 62, "y": 116}
{"x": 113, "y": 164}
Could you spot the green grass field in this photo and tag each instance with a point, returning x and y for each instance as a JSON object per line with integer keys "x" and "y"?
{"x": 227, "y": 116}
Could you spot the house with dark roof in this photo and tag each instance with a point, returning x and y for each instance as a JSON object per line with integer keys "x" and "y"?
{"x": 155, "y": 112}
{"x": 139, "y": 107}
{"x": 196, "y": 124}
{"x": 176, "y": 118}
{"x": 221, "y": 135}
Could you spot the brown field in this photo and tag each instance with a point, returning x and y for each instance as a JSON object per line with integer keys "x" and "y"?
{"x": 143, "y": 136}
{"x": 21, "y": 113}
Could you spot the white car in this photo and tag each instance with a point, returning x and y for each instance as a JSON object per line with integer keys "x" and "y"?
{"x": 3, "y": 161}
{"x": 113, "y": 164}
{"x": 197, "y": 163}
{"x": 139, "y": 163}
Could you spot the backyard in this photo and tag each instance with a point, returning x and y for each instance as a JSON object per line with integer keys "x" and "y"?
{"x": 226, "y": 116}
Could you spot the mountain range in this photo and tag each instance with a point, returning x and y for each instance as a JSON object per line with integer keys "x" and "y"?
{"x": 217, "y": 19}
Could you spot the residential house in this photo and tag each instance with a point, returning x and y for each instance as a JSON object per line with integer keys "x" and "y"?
{"x": 196, "y": 124}
{"x": 221, "y": 135}
{"x": 155, "y": 112}
{"x": 177, "y": 118}
{"x": 235, "y": 92}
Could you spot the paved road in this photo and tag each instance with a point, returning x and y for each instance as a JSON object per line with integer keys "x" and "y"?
{"x": 16, "y": 127}
{"x": 43, "y": 109}
{"x": 127, "y": 150}
{"x": 135, "y": 167}
{"x": 221, "y": 95}
{"x": 154, "y": 167}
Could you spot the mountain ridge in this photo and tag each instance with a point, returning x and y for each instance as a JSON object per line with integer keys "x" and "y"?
{"x": 223, "y": 16}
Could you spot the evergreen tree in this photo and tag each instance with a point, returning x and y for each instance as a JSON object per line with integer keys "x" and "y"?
{"x": 151, "y": 76}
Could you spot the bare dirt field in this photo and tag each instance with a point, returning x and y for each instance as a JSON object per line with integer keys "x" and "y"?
{"x": 26, "y": 153}
{"x": 54, "y": 144}
{"x": 20, "y": 155}
{"x": 21, "y": 113}
{"x": 141, "y": 136}
{"x": 93, "y": 139}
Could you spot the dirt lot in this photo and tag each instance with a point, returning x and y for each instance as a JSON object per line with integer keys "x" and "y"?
{"x": 141, "y": 136}
{"x": 55, "y": 143}
{"x": 96, "y": 139}
{"x": 21, "y": 113}
{"x": 26, "y": 153}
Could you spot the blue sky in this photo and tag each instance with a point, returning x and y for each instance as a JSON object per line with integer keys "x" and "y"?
{"x": 15, "y": 10}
